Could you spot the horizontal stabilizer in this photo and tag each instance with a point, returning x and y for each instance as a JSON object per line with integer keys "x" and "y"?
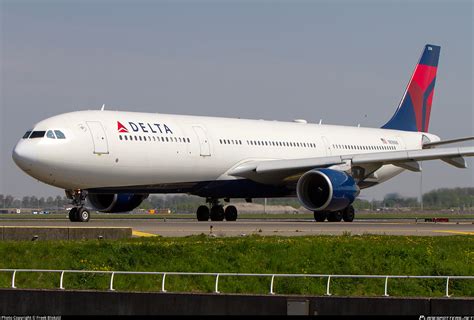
{"x": 438, "y": 143}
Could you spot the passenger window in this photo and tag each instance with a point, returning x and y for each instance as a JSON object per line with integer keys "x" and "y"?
{"x": 59, "y": 134}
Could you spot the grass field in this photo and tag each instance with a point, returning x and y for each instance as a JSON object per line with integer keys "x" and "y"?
{"x": 367, "y": 254}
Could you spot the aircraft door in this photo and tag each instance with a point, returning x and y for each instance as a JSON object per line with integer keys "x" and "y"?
{"x": 99, "y": 138}
{"x": 327, "y": 146}
{"x": 203, "y": 141}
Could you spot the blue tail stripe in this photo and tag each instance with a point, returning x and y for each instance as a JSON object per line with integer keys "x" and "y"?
{"x": 404, "y": 118}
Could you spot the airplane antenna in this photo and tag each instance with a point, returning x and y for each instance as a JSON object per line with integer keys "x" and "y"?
{"x": 365, "y": 120}
{"x": 103, "y": 107}
{"x": 320, "y": 121}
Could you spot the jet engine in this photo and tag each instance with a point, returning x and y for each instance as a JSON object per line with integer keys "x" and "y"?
{"x": 118, "y": 202}
{"x": 326, "y": 190}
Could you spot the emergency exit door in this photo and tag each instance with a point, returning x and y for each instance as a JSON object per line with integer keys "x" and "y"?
{"x": 98, "y": 137}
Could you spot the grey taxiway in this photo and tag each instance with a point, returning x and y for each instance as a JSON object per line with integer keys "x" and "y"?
{"x": 264, "y": 227}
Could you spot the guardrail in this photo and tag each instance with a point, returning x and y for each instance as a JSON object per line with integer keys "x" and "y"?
{"x": 217, "y": 275}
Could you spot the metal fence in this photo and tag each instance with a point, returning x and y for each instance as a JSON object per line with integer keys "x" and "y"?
{"x": 218, "y": 275}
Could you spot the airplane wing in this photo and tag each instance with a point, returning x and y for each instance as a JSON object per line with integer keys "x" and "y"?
{"x": 283, "y": 171}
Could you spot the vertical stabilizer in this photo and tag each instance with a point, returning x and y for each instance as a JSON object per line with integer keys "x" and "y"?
{"x": 413, "y": 112}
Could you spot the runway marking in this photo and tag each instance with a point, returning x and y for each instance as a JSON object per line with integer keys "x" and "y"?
{"x": 143, "y": 234}
{"x": 455, "y": 232}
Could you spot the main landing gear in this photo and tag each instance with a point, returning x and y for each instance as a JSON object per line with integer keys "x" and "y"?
{"x": 216, "y": 212}
{"x": 346, "y": 214}
{"x": 78, "y": 213}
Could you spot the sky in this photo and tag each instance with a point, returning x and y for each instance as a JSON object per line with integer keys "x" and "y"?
{"x": 345, "y": 62}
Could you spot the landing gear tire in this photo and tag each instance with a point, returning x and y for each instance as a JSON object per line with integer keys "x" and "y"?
{"x": 83, "y": 215}
{"x": 78, "y": 213}
{"x": 335, "y": 216}
{"x": 348, "y": 214}
{"x": 217, "y": 213}
{"x": 320, "y": 216}
{"x": 202, "y": 213}
{"x": 230, "y": 213}
{"x": 73, "y": 216}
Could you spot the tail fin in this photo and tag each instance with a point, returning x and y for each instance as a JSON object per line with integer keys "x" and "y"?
{"x": 413, "y": 112}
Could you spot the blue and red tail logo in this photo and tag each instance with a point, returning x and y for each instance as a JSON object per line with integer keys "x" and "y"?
{"x": 413, "y": 113}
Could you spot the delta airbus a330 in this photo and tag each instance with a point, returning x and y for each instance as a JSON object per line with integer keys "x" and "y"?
{"x": 116, "y": 159}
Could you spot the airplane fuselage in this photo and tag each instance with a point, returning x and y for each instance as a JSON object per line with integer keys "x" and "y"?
{"x": 111, "y": 151}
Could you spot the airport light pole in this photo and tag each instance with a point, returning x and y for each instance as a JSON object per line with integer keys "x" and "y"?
{"x": 421, "y": 186}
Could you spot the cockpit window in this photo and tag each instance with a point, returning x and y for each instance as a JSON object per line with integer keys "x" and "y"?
{"x": 27, "y": 134}
{"x": 37, "y": 134}
{"x": 50, "y": 134}
{"x": 59, "y": 134}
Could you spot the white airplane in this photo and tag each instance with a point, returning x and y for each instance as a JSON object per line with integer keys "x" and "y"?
{"x": 116, "y": 159}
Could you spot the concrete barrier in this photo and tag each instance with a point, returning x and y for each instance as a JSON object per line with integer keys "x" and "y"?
{"x": 76, "y": 233}
{"x": 66, "y": 302}
{"x": 19, "y": 233}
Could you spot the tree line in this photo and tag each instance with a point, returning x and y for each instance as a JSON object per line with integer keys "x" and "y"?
{"x": 444, "y": 198}
{"x": 8, "y": 201}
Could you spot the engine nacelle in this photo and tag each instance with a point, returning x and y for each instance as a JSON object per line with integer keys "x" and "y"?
{"x": 118, "y": 202}
{"x": 326, "y": 190}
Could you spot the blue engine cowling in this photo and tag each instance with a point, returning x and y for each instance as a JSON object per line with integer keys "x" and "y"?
{"x": 326, "y": 190}
{"x": 114, "y": 203}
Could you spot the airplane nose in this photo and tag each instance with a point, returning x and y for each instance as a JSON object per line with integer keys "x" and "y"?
{"x": 24, "y": 155}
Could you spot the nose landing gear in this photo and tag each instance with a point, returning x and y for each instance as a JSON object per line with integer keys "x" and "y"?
{"x": 78, "y": 213}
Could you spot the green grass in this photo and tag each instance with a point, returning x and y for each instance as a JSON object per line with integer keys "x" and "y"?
{"x": 367, "y": 254}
